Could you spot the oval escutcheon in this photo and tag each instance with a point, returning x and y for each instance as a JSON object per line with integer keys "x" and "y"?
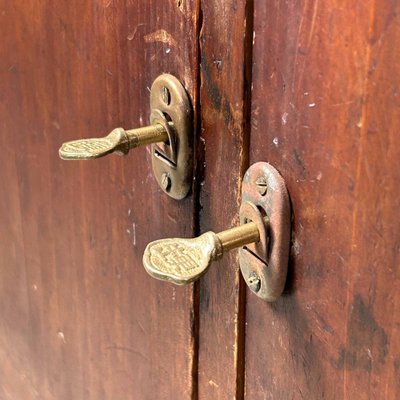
{"x": 264, "y": 268}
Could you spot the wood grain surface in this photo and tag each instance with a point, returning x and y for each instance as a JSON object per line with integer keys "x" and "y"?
{"x": 80, "y": 318}
{"x": 325, "y": 113}
{"x": 225, "y": 41}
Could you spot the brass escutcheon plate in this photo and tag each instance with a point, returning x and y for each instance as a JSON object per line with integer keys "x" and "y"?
{"x": 265, "y": 201}
{"x": 173, "y": 161}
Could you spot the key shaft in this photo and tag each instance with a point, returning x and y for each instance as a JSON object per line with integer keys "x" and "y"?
{"x": 183, "y": 261}
{"x": 238, "y": 236}
{"x": 118, "y": 141}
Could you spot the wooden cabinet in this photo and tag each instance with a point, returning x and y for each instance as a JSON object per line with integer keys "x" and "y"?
{"x": 311, "y": 87}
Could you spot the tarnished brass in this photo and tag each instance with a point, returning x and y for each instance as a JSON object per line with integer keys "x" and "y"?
{"x": 183, "y": 261}
{"x": 169, "y": 99}
{"x": 263, "y": 238}
{"x": 118, "y": 141}
{"x": 170, "y": 133}
{"x": 264, "y": 264}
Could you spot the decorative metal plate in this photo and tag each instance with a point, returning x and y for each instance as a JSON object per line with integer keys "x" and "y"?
{"x": 172, "y": 162}
{"x": 265, "y": 200}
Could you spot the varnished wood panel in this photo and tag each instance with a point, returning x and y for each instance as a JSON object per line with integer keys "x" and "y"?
{"x": 325, "y": 112}
{"x": 80, "y": 319}
{"x": 224, "y": 76}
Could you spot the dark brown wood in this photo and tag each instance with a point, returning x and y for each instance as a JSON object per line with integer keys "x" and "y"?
{"x": 224, "y": 82}
{"x": 325, "y": 113}
{"x": 80, "y": 318}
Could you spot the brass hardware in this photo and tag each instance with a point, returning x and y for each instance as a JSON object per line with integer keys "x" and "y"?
{"x": 173, "y": 160}
{"x": 183, "y": 261}
{"x": 264, "y": 191}
{"x": 263, "y": 236}
{"x": 169, "y": 133}
{"x": 118, "y": 140}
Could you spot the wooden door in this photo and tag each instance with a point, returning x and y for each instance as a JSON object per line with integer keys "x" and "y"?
{"x": 317, "y": 95}
{"x": 311, "y": 88}
{"x": 80, "y": 318}
{"x": 325, "y": 112}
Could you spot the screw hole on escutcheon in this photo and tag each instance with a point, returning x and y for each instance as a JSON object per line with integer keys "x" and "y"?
{"x": 166, "y": 95}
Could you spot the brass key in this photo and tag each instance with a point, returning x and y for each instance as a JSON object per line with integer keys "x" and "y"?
{"x": 118, "y": 141}
{"x": 263, "y": 237}
{"x": 182, "y": 261}
{"x": 170, "y": 134}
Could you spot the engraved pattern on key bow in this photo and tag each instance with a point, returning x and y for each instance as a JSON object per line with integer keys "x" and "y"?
{"x": 92, "y": 146}
{"x": 176, "y": 258}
